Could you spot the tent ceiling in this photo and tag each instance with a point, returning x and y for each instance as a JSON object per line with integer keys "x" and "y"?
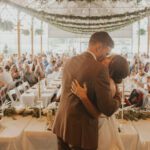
{"x": 83, "y": 17}
{"x": 81, "y": 8}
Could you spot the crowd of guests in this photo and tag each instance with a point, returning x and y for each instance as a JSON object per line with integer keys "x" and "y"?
{"x": 139, "y": 81}
{"x": 14, "y": 72}
{"x": 140, "y": 71}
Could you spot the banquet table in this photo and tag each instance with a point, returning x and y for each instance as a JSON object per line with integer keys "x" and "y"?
{"x": 30, "y": 96}
{"x": 129, "y": 135}
{"x": 143, "y": 129}
{"x": 135, "y": 135}
{"x": 37, "y": 137}
{"x": 28, "y": 133}
{"x": 11, "y": 131}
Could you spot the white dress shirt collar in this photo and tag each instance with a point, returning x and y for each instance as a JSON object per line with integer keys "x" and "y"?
{"x": 92, "y": 54}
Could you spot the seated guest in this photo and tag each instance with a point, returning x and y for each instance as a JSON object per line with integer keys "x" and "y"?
{"x": 7, "y": 68}
{"x": 20, "y": 68}
{"x": 2, "y": 84}
{"x": 2, "y": 79}
{"x": 15, "y": 75}
{"x": 147, "y": 67}
{"x": 29, "y": 76}
{"x": 34, "y": 64}
{"x": 140, "y": 78}
{"x": 59, "y": 61}
{"x": 7, "y": 76}
{"x": 39, "y": 73}
{"x": 147, "y": 85}
{"x": 51, "y": 67}
{"x": 6, "y": 79}
{"x": 45, "y": 62}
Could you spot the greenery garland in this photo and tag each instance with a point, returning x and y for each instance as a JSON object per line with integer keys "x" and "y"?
{"x": 107, "y": 17}
{"x": 91, "y": 30}
{"x": 89, "y": 26}
{"x": 77, "y": 31}
{"x": 39, "y": 31}
{"x": 142, "y": 31}
{"x": 25, "y": 32}
{"x": 6, "y": 25}
{"x": 92, "y": 23}
{"x": 133, "y": 115}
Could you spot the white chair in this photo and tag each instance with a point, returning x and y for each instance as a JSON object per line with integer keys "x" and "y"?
{"x": 13, "y": 95}
{"x": 20, "y": 90}
{"x": 26, "y": 86}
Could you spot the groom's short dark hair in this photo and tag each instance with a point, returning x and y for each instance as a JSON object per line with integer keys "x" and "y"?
{"x": 102, "y": 37}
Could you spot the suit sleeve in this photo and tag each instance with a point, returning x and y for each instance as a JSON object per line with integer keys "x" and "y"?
{"x": 106, "y": 104}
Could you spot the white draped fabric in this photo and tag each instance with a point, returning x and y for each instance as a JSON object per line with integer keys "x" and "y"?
{"x": 143, "y": 129}
{"x": 109, "y": 138}
{"x": 36, "y": 137}
{"x": 30, "y": 96}
{"x": 27, "y": 133}
{"x": 11, "y": 132}
{"x": 129, "y": 135}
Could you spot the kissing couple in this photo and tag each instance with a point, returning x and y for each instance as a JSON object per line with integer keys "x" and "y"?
{"x": 90, "y": 97}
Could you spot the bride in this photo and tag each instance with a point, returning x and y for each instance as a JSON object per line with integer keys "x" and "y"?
{"x": 108, "y": 138}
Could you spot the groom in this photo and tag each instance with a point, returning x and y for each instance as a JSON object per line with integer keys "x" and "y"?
{"x": 75, "y": 128}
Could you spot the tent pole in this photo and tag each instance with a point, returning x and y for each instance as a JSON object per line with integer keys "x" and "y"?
{"x": 148, "y": 36}
{"x": 18, "y": 35}
{"x": 41, "y": 38}
{"x": 32, "y": 36}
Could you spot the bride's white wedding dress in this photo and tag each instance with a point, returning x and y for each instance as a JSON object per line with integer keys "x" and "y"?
{"x": 109, "y": 138}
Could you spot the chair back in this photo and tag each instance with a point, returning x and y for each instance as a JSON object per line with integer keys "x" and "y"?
{"x": 26, "y": 86}
{"x": 13, "y": 95}
{"x": 20, "y": 90}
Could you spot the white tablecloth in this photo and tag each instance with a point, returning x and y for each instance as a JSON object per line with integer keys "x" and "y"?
{"x": 36, "y": 137}
{"x": 11, "y": 132}
{"x": 128, "y": 135}
{"x": 27, "y": 133}
{"x": 143, "y": 129}
{"x": 29, "y": 98}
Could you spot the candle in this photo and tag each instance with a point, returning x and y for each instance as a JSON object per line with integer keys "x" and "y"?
{"x": 122, "y": 101}
{"x": 39, "y": 89}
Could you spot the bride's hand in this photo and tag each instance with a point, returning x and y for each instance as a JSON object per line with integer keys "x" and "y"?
{"x": 78, "y": 90}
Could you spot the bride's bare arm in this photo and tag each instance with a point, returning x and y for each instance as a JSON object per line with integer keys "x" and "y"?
{"x": 81, "y": 92}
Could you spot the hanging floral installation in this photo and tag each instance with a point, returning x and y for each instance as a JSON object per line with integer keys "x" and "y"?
{"x": 142, "y": 31}
{"x": 90, "y": 23}
{"x": 25, "y": 32}
{"x": 6, "y": 25}
{"x": 39, "y": 31}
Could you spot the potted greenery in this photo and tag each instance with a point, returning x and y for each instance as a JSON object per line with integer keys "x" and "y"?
{"x": 38, "y": 31}
{"x": 26, "y": 32}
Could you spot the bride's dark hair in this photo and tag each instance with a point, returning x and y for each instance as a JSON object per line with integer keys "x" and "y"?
{"x": 118, "y": 68}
